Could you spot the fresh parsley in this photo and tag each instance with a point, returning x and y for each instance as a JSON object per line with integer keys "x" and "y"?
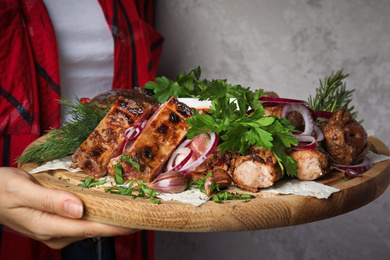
{"x": 139, "y": 191}
{"x": 89, "y": 182}
{"x": 219, "y": 196}
{"x": 228, "y": 116}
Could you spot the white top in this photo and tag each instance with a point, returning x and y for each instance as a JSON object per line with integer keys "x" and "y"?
{"x": 85, "y": 47}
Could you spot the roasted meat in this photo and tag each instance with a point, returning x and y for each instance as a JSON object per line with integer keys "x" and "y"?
{"x": 312, "y": 163}
{"x": 163, "y": 133}
{"x": 258, "y": 169}
{"x": 105, "y": 141}
{"x": 345, "y": 139}
{"x": 109, "y": 98}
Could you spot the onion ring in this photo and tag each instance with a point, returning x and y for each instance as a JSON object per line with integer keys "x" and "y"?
{"x": 358, "y": 168}
{"x": 276, "y": 101}
{"x": 307, "y": 139}
{"x": 306, "y": 114}
{"x": 173, "y": 164}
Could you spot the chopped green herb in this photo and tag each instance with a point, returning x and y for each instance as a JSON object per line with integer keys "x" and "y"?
{"x": 128, "y": 159}
{"x": 118, "y": 174}
{"x": 219, "y": 196}
{"x": 143, "y": 192}
{"x": 89, "y": 182}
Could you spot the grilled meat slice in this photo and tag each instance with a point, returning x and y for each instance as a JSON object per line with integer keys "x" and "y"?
{"x": 345, "y": 139}
{"x": 214, "y": 162}
{"x": 162, "y": 134}
{"x": 105, "y": 141}
{"x": 109, "y": 98}
{"x": 312, "y": 163}
{"x": 258, "y": 169}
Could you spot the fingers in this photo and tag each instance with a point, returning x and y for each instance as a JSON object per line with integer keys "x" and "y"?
{"x": 57, "y": 232}
{"x": 32, "y": 195}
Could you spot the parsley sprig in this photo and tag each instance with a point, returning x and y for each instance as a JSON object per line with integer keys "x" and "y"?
{"x": 228, "y": 116}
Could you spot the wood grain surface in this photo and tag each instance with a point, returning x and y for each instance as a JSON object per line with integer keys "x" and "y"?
{"x": 264, "y": 212}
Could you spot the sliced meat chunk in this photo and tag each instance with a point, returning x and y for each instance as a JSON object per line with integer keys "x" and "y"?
{"x": 162, "y": 134}
{"x": 345, "y": 139}
{"x": 312, "y": 163}
{"x": 259, "y": 169}
{"x": 105, "y": 141}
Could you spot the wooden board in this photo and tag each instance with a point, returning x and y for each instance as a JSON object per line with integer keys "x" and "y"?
{"x": 264, "y": 212}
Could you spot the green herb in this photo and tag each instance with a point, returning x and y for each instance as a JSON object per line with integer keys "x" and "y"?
{"x": 332, "y": 95}
{"x": 238, "y": 131}
{"x": 91, "y": 182}
{"x": 128, "y": 159}
{"x": 144, "y": 192}
{"x": 228, "y": 117}
{"x": 219, "y": 196}
{"x": 199, "y": 184}
{"x": 183, "y": 86}
{"x": 226, "y": 195}
{"x": 65, "y": 141}
{"x": 118, "y": 174}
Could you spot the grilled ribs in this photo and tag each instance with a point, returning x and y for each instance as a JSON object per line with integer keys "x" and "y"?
{"x": 105, "y": 141}
{"x": 162, "y": 134}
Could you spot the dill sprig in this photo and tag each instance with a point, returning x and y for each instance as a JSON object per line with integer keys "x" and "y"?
{"x": 64, "y": 141}
{"x": 332, "y": 95}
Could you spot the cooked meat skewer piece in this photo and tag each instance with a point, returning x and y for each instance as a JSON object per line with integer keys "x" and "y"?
{"x": 258, "y": 169}
{"x": 105, "y": 141}
{"x": 312, "y": 163}
{"x": 163, "y": 133}
{"x": 345, "y": 139}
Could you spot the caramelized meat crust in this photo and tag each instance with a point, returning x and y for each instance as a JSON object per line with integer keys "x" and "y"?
{"x": 312, "y": 163}
{"x": 345, "y": 139}
{"x": 163, "y": 133}
{"x": 105, "y": 141}
{"x": 137, "y": 94}
{"x": 259, "y": 169}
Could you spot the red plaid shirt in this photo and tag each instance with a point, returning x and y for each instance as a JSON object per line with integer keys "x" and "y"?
{"x": 30, "y": 88}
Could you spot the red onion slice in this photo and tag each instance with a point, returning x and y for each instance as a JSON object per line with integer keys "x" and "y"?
{"x": 312, "y": 143}
{"x": 318, "y": 132}
{"x": 276, "y": 101}
{"x": 132, "y": 133}
{"x": 213, "y": 143}
{"x": 323, "y": 114}
{"x": 304, "y": 111}
{"x": 179, "y": 158}
{"x": 358, "y": 168}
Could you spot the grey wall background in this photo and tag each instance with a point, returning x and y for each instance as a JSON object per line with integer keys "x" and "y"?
{"x": 286, "y": 46}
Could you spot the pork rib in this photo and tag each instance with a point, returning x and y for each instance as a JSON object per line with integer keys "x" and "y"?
{"x": 162, "y": 134}
{"x": 105, "y": 141}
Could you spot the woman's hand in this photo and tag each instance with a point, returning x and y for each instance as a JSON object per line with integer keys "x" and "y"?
{"x": 48, "y": 215}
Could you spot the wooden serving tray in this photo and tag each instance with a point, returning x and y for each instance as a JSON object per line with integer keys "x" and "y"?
{"x": 263, "y": 212}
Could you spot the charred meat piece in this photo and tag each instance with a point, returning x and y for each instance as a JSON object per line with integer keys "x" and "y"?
{"x": 109, "y": 98}
{"x": 259, "y": 169}
{"x": 345, "y": 139}
{"x": 294, "y": 117}
{"x": 214, "y": 162}
{"x": 105, "y": 141}
{"x": 163, "y": 133}
{"x": 312, "y": 163}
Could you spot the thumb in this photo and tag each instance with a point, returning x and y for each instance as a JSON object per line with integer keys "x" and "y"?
{"x": 55, "y": 201}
